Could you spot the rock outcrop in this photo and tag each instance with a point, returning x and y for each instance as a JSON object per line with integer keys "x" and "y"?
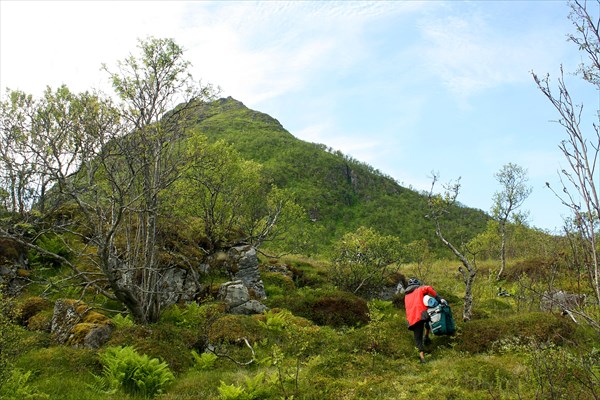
{"x": 76, "y": 324}
{"x": 237, "y": 297}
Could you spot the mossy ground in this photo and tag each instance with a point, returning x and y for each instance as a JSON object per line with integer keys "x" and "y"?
{"x": 491, "y": 356}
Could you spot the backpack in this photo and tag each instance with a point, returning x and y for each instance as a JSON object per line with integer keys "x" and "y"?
{"x": 441, "y": 321}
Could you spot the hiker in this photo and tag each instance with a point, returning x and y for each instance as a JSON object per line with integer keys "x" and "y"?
{"x": 416, "y": 312}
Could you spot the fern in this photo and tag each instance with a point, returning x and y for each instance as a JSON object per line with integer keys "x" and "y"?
{"x": 253, "y": 389}
{"x": 122, "y": 322}
{"x": 16, "y": 387}
{"x": 135, "y": 374}
{"x": 231, "y": 392}
{"x": 276, "y": 321}
{"x": 204, "y": 361}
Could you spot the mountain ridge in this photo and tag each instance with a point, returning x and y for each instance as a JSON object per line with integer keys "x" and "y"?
{"x": 337, "y": 191}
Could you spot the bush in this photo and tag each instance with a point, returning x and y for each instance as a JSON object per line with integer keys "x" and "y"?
{"x": 135, "y": 374}
{"x": 537, "y": 269}
{"x": 479, "y": 336}
{"x": 333, "y": 308}
{"x": 232, "y": 328}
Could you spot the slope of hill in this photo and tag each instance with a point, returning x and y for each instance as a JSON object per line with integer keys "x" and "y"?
{"x": 338, "y": 192}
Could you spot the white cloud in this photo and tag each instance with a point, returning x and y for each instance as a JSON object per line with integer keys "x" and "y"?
{"x": 53, "y": 43}
{"x": 470, "y": 53}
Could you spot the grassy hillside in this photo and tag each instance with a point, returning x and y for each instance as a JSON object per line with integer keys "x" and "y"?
{"x": 315, "y": 343}
{"x": 338, "y": 192}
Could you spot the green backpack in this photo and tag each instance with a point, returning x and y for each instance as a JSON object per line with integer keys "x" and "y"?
{"x": 441, "y": 321}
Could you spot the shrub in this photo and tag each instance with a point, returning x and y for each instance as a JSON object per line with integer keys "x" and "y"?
{"x": 135, "y": 374}
{"x": 122, "y": 322}
{"x": 277, "y": 283}
{"x": 253, "y": 388}
{"x": 538, "y": 269}
{"x": 481, "y": 335}
{"x": 559, "y": 373}
{"x": 231, "y": 328}
{"x": 54, "y": 244}
{"x": 330, "y": 307}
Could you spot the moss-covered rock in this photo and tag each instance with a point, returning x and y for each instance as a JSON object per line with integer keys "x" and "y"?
{"x": 76, "y": 324}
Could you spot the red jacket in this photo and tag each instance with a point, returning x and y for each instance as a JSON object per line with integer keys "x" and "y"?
{"x": 413, "y": 301}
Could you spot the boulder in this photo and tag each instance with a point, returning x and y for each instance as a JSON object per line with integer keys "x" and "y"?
{"x": 561, "y": 301}
{"x": 243, "y": 262}
{"x": 237, "y": 297}
{"x": 75, "y": 324}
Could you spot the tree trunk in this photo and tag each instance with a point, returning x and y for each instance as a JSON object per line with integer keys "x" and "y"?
{"x": 468, "y": 276}
{"x": 502, "y": 250}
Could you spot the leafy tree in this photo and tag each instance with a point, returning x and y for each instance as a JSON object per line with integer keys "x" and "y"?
{"x": 113, "y": 164}
{"x": 232, "y": 197}
{"x": 364, "y": 259}
{"x": 581, "y": 148}
{"x": 515, "y": 191}
{"x": 17, "y": 172}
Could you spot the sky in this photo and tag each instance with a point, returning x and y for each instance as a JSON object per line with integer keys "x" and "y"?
{"x": 408, "y": 87}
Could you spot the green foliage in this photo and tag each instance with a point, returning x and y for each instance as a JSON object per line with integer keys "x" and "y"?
{"x": 253, "y": 388}
{"x": 122, "y": 322}
{"x": 192, "y": 315}
{"x": 562, "y": 374}
{"x": 17, "y": 388}
{"x": 481, "y": 335}
{"x": 330, "y": 307}
{"x": 276, "y": 321}
{"x": 30, "y": 307}
{"x": 338, "y": 193}
{"x": 135, "y": 374}
{"x": 54, "y": 244}
{"x": 363, "y": 261}
{"x": 204, "y": 361}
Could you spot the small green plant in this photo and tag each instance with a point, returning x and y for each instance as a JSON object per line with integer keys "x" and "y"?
{"x": 254, "y": 388}
{"x": 135, "y": 374}
{"x": 122, "y": 322}
{"x": 231, "y": 392}
{"x": 16, "y": 387}
{"x": 204, "y": 361}
{"x": 375, "y": 329}
{"x": 276, "y": 321}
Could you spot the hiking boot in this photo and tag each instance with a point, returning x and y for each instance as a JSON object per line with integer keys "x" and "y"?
{"x": 422, "y": 361}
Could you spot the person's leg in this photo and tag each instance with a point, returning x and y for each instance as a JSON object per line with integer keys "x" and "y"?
{"x": 427, "y": 330}
{"x": 418, "y": 332}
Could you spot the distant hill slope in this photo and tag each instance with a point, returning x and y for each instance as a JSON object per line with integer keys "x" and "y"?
{"x": 337, "y": 191}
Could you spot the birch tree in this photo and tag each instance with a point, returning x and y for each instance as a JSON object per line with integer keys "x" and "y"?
{"x": 439, "y": 205}
{"x": 581, "y": 146}
{"x": 513, "y": 180}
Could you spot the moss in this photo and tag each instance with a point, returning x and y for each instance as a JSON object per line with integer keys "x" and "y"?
{"x": 30, "y": 307}
{"x": 232, "y": 328}
{"x": 79, "y": 332}
{"x": 340, "y": 311}
{"x": 93, "y": 317}
{"x": 479, "y": 336}
{"x": 41, "y": 321}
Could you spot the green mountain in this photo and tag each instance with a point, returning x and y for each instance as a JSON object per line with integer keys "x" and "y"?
{"x": 338, "y": 192}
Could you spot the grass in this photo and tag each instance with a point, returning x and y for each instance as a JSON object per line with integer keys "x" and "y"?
{"x": 489, "y": 357}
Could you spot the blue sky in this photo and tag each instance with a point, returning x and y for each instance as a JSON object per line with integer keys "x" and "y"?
{"x": 408, "y": 87}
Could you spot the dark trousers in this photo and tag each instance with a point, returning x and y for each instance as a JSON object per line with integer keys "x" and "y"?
{"x": 419, "y": 331}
